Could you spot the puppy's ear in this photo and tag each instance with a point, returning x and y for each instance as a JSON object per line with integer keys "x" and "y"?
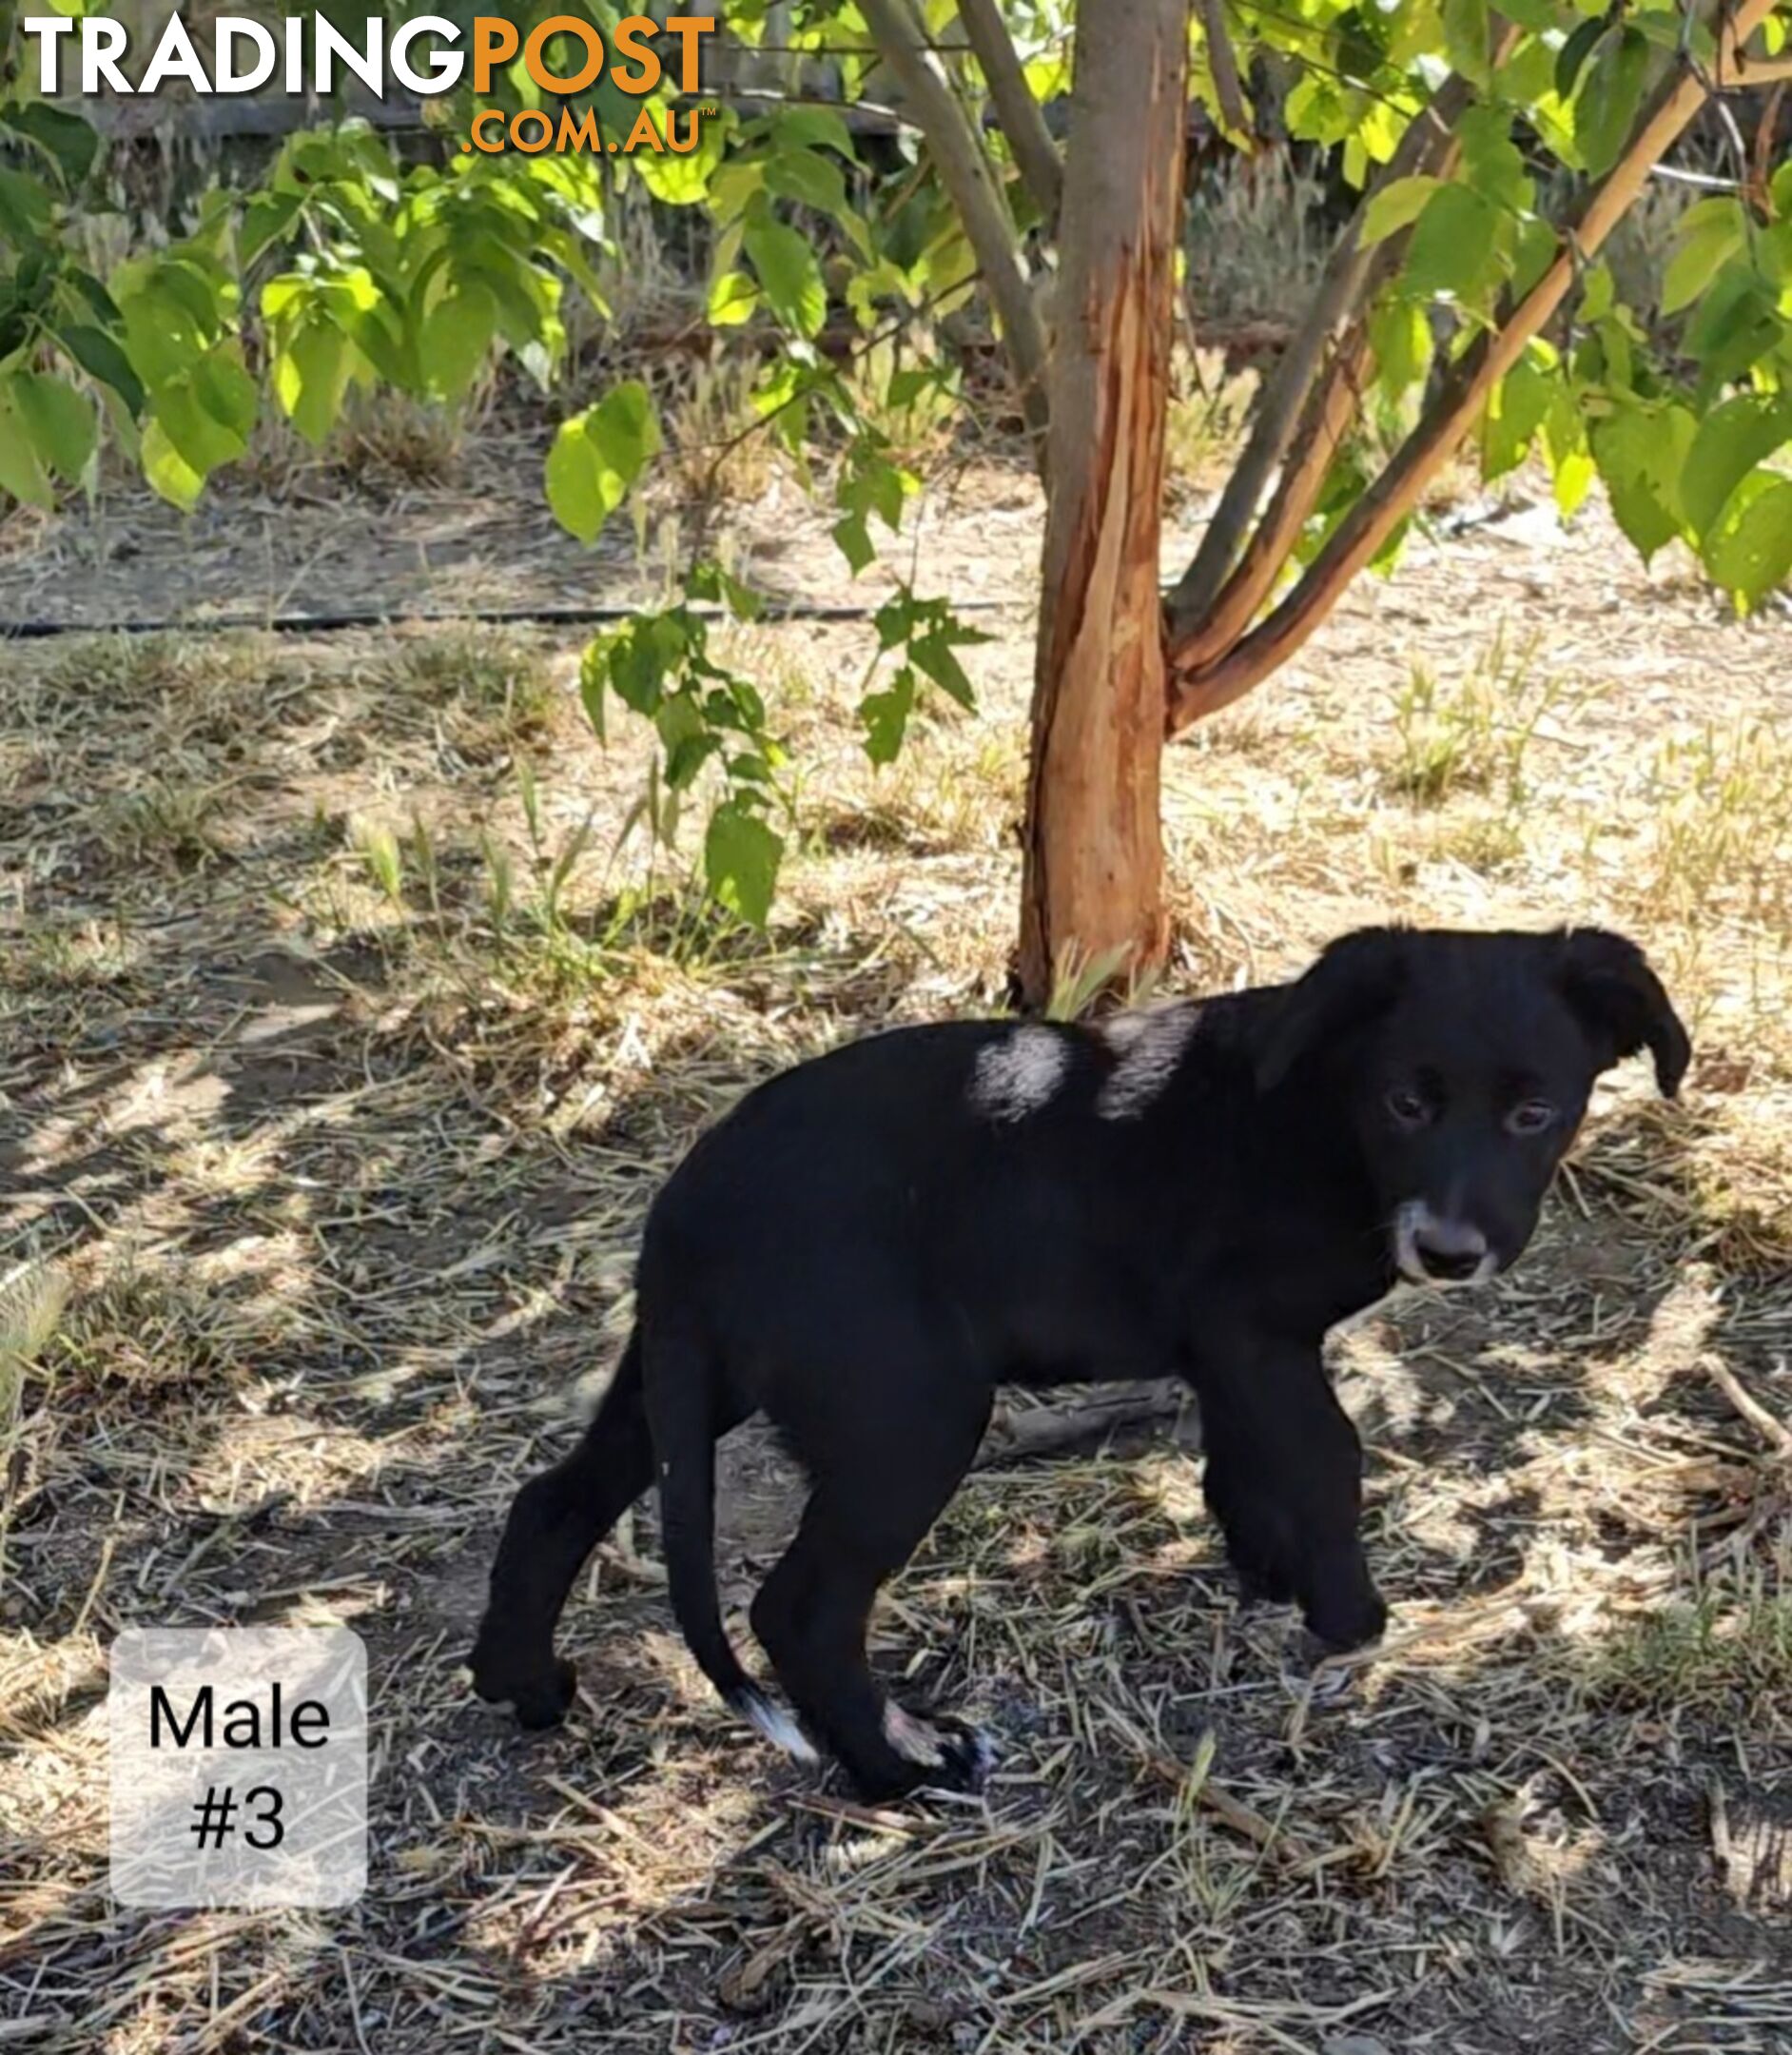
{"x": 1357, "y": 977}
{"x": 1621, "y": 1004}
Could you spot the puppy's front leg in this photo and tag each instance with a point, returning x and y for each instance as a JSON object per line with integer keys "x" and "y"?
{"x": 1285, "y": 1479}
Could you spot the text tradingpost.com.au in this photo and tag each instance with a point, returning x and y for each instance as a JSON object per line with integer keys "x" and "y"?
{"x": 427, "y": 55}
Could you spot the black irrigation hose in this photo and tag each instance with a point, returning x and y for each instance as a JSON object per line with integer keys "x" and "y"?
{"x": 43, "y": 631}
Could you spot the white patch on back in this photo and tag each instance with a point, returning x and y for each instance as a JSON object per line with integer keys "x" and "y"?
{"x": 1018, "y": 1076}
{"x": 1150, "y": 1044}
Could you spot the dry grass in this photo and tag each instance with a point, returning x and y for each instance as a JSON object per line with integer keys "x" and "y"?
{"x": 336, "y": 1106}
{"x": 1209, "y": 415}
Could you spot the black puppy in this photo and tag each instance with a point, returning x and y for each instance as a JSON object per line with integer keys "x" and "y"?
{"x": 867, "y": 1246}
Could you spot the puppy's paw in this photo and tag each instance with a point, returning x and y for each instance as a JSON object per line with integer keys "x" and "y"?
{"x": 1262, "y": 1583}
{"x": 1346, "y": 1614}
{"x": 536, "y": 1699}
{"x": 938, "y": 1753}
{"x": 1260, "y": 1548}
{"x": 966, "y": 1756}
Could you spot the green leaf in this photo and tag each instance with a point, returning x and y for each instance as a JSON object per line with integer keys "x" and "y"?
{"x": 21, "y": 473}
{"x": 1709, "y": 235}
{"x": 1731, "y": 440}
{"x": 60, "y": 421}
{"x": 1574, "y": 53}
{"x": 101, "y": 357}
{"x": 809, "y": 179}
{"x": 167, "y": 471}
{"x": 1606, "y": 105}
{"x": 1395, "y": 206}
{"x": 1737, "y": 323}
{"x": 1452, "y": 243}
{"x": 310, "y": 377}
{"x": 1492, "y": 162}
{"x": 1571, "y": 466}
{"x": 1401, "y": 339}
{"x": 161, "y": 342}
{"x": 201, "y": 442}
{"x": 226, "y": 393}
{"x": 734, "y": 299}
{"x": 853, "y": 539}
{"x": 1534, "y": 249}
{"x": 597, "y": 456}
{"x": 1465, "y": 38}
{"x": 1513, "y": 415}
{"x": 789, "y": 273}
{"x": 1753, "y": 556}
{"x": 676, "y": 178}
{"x": 1598, "y": 294}
{"x": 814, "y": 127}
{"x": 708, "y": 581}
{"x": 740, "y": 860}
{"x": 68, "y": 141}
{"x": 571, "y": 483}
{"x": 25, "y": 208}
{"x": 686, "y": 739}
{"x": 885, "y": 715}
{"x": 594, "y": 669}
{"x": 267, "y": 216}
{"x": 99, "y": 302}
{"x": 1642, "y": 452}
{"x": 933, "y": 654}
{"x": 455, "y": 339}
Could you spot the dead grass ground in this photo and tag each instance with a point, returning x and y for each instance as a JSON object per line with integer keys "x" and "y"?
{"x": 342, "y": 1144}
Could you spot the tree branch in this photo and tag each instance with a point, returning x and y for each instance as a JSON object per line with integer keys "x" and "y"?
{"x": 1758, "y": 71}
{"x": 1309, "y": 405}
{"x": 964, "y": 168}
{"x": 1677, "y": 98}
{"x": 1021, "y": 117}
{"x": 1233, "y": 108}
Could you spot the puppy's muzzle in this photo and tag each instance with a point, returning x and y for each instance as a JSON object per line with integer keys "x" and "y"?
{"x": 1430, "y": 1249}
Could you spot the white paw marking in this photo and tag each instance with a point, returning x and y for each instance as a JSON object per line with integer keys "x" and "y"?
{"x": 912, "y": 1737}
{"x": 984, "y": 1749}
{"x": 777, "y": 1726}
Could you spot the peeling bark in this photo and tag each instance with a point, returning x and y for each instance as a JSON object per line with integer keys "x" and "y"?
{"x": 1094, "y": 869}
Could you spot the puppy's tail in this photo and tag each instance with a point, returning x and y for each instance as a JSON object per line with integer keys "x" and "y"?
{"x": 680, "y": 1414}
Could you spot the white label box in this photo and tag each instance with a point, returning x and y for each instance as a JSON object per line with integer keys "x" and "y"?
{"x": 239, "y": 1770}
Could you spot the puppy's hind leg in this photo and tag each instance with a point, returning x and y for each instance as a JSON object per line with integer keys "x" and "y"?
{"x": 557, "y": 1519}
{"x": 876, "y": 1494}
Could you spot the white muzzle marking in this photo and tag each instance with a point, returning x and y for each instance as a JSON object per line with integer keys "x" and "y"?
{"x": 1415, "y": 1228}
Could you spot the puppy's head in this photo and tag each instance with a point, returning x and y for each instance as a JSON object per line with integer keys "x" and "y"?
{"x": 1465, "y": 1063}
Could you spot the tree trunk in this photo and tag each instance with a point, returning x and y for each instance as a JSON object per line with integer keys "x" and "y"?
{"x": 1094, "y": 870}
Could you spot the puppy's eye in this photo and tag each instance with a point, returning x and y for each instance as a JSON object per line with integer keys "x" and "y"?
{"x": 1530, "y": 1116}
{"x": 1407, "y": 1109}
